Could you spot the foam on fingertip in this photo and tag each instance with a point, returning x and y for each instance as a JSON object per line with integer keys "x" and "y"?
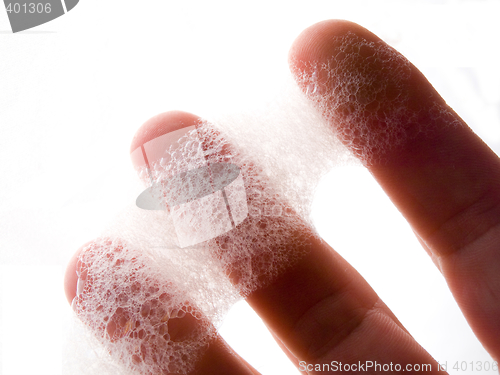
{"x": 268, "y": 161}
{"x": 134, "y": 309}
{"x": 228, "y": 211}
{"x": 375, "y": 100}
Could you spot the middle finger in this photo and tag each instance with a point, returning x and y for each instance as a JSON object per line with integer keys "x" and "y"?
{"x": 317, "y": 305}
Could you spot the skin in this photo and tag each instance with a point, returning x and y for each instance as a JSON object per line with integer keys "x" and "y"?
{"x": 446, "y": 184}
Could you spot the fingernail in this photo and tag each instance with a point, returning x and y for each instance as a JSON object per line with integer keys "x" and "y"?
{"x": 203, "y": 193}
{"x": 160, "y": 156}
{"x": 79, "y": 286}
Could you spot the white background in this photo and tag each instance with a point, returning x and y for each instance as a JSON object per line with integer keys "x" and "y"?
{"x": 73, "y": 92}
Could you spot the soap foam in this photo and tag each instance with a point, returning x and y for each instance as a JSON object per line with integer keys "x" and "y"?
{"x": 365, "y": 93}
{"x": 281, "y": 152}
{"x": 128, "y": 303}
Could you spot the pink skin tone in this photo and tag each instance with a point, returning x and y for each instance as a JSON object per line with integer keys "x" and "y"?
{"x": 321, "y": 309}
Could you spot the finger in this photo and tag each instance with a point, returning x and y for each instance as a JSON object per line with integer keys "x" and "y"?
{"x": 140, "y": 316}
{"x": 441, "y": 176}
{"x": 318, "y": 306}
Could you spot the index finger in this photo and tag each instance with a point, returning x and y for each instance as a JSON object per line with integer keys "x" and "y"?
{"x": 440, "y": 175}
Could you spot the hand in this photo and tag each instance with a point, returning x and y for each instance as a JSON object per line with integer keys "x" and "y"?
{"x": 440, "y": 175}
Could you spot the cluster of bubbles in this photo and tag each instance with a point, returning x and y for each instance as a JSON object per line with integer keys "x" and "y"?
{"x": 139, "y": 282}
{"x": 132, "y": 308}
{"x": 367, "y": 93}
{"x": 271, "y": 236}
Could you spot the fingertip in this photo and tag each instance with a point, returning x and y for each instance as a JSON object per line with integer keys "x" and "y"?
{"x": 162, "y": 123}
{"x": 317, "y": 42}
{"x": 374, "y": 99}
